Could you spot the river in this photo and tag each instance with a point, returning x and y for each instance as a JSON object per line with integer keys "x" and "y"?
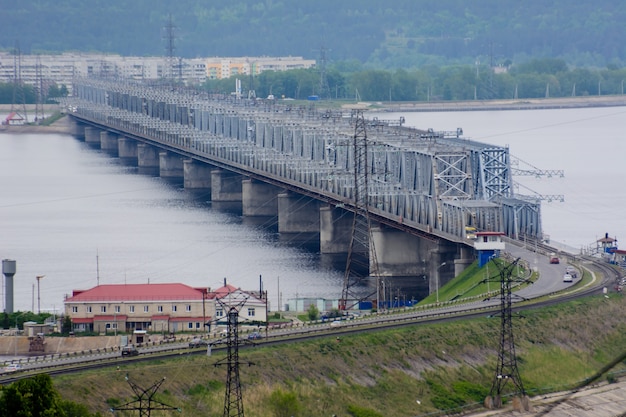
{"x": 79, "y": 217}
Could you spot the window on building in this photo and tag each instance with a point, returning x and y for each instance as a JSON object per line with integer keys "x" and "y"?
{"x": 219, "y": 313}
{"x": 118, "y": 309}
{"x": 74, "y": 309}
{"x": 197, "y": 325}
{"x": 190, "y": 325}
{"x": 146, "y": 309}
{"x": 108, "y": 325}
{"x": 250, "y": 312}
{"x": 174, "y": 308}
{"x": 160, "y": 309}
{"x": 131, "y": 309}
{"x": 103, "y": 309}
{"x": 88, "y": 309}
{"x": 188, "y": 308}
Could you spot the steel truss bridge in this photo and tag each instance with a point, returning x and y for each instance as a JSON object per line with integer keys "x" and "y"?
{"x": 433, "y": 184}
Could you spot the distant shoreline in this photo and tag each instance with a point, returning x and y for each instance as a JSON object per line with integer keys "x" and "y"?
{"x": 62, "y": 126}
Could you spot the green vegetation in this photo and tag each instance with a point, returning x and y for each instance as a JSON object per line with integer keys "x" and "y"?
{"x": 390, "y": 34}
{"x": 405, "y": 372}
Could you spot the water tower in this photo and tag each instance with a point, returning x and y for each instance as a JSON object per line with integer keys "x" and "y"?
{"x": 8, "y": 269}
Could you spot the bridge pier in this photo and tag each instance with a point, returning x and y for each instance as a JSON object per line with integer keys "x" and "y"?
{"x": 298, "y": 218}
{"x": 92, "y": 136}
{"x": 466, "y": 257}
{"x": 197, "y": 176}
{"x": 170, "y": 166}
{"x": 259, "y": 198}
{"x": 147, "y": 159}
{"x": 127, "y": 150}
{"x": 399, "y": 253}
{"x": 226, "y": 190}
{"x": 77, "y": 129}
{"x": 108, "y": 142}
{"x": 335, "y": 229}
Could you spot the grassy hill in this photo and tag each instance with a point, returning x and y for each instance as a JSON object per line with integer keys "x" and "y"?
{"x": 411, "y": 371}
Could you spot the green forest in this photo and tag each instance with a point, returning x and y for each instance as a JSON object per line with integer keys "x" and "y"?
{"x": 380, "y": 35}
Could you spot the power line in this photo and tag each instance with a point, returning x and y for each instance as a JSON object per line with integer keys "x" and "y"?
{"x": 145, "y": 401}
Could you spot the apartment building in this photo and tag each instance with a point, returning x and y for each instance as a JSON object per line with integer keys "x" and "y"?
{"x": 159, "y": 308}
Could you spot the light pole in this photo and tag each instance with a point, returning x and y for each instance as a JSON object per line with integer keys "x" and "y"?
{"x": 437, "y": 277}
{"x": 39, "y": 277}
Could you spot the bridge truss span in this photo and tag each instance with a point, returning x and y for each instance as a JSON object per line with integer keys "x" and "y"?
{"x": 419, "y": 181}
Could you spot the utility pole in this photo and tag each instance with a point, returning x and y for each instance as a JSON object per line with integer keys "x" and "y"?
{"x": 39, "y": 277}
{"x": 507, "y": 371}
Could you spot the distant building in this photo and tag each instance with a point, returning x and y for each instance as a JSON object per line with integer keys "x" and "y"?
{"x": 14, "y": 119}
{"x": 158, "y": 308}
{"x": 252, "y": 306}
{"x": 488, "y": 245}
{"x": 61, "y": 69}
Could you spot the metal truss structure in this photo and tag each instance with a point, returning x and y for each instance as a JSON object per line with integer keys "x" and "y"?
{"x": 145, "y": 402}
{"x": 432, "y": 182}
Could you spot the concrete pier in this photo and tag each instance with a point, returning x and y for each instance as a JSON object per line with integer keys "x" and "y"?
{"x": 197, "y": 176}
{"x": 298, "y": 217}
{"x": 226, "y": 186}
{"x": 335, "y": 229}
{"x": 259, "y": 198}
{"x": 147, "y": 159}
{"x": 127, "y": 150}
{"x": 92, "y": 136}
{"x": 108, "y": 142}
{"x": 399, "y": 253}
{"x": 170, "y": 166}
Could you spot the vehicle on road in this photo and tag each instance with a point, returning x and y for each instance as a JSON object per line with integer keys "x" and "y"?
{"x": 567, "y": 278}
{"x": 197, "y": 342}
{"x": 554, "y": 259}
{"x": 255, "y": 336}
{"x": 572, "y": 271}
{"x": 12, "y": 367}
{"x": 129, "y": 350}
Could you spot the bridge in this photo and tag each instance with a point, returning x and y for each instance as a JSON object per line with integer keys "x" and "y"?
{"x": 424, "y": 192}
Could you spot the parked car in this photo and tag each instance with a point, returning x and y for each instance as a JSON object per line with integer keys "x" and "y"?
{"x": 130, "y": 350}
{"x": 554, "y": 260}
{"x": 12, "y": 367}
{"x": 567, "y": 278}
{"x": 197, "y": 342}
{"x": 255, "y": 336}
{"x": 335, "y": 324}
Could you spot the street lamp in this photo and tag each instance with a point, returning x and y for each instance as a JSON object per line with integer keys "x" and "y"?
{"x": 38, "y": 277}
{"x": 437, "y": 277}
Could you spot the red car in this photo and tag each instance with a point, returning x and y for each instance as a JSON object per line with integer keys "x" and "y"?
{"x": 554, "y": 260}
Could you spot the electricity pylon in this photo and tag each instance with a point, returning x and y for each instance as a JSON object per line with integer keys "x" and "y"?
{"x": 233, "y": 402}
{"x": 359, "y": 268}
{"x": 507, "y": 372}
{"x": 145, "y": 403}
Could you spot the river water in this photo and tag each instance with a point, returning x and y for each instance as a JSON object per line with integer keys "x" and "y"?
{"x": 79, "y": 217}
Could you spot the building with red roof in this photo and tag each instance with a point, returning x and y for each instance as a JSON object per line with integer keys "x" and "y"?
{"x": 14, "y": 119}
{"x": 158, "y": 308}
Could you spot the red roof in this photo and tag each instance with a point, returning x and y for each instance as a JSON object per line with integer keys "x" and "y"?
{"x": 136, "y": 292}
{"x": 225, "y": 290}
{"x": 82, "y": 320}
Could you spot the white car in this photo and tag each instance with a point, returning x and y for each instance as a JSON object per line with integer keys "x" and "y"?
{"x": 335, "y": 323}
{"x": 567, "y": 278}
{"x": 12, "y": 367}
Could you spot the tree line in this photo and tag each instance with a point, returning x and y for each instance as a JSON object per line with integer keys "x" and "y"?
{"x": 538, "y": 78}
